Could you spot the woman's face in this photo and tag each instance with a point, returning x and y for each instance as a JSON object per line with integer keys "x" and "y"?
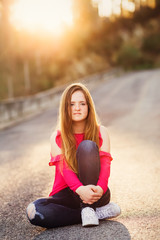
{"x": 79, "y": 107}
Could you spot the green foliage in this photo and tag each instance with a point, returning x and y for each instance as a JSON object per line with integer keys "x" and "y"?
{"x": 131, "y": 57}
{"x": 128, "y": 56}
{"x": 44, "y": 83}
{"x": 151, "y": 43}
{"x": 145, "y": 14}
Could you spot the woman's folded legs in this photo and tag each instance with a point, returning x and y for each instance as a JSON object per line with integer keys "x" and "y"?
{"x": 59, "y": 210}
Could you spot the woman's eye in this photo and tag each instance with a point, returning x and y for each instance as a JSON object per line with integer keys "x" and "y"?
{"x": 81, "y": 104}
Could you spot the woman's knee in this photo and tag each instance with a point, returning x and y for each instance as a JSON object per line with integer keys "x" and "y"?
{"x": 87, "y": 146}
{"x": 32, "y": 212}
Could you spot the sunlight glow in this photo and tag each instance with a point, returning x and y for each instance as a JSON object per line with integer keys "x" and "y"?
{"x": 42, "y": 15}
{"x": 106, "y": 8}
{"x": 130, "y": 6}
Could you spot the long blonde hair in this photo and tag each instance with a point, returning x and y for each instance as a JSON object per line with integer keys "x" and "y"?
{"x": 91, "y": 131}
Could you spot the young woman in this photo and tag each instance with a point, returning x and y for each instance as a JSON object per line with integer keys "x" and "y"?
{"x": 80, "y": 151}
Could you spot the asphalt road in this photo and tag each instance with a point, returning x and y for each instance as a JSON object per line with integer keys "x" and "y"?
{"x": 129, "y": 105}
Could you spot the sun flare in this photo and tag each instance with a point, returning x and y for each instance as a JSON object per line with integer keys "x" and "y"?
{"x": 42, "y": 15}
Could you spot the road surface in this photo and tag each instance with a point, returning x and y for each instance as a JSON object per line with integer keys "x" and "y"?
{"x": 129, "y": 105}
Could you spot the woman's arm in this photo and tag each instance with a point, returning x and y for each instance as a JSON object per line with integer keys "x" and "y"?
{"x": 55, "y": 150}
{"x": 69, "y": 176}
{"x": 89, "y": 193}
{"x": 106, "y": 140}
{"x": 105, "y": 160}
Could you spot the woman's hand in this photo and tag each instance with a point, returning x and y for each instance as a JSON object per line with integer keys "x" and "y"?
{"x": 89, "y": 193}
{"x": 99, "y": 190}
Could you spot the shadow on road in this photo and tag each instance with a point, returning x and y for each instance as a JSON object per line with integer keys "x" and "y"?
{"x": 108, "y": 230}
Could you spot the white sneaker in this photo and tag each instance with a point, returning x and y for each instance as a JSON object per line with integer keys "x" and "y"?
{"x": 110, "y": 210}
{"x": 89, "y": 217}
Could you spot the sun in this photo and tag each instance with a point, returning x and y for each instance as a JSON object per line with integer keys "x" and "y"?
{"x": 50, "y": 16}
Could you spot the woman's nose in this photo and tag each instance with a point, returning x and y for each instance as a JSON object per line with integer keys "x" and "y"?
{"x": 77, "y": 107}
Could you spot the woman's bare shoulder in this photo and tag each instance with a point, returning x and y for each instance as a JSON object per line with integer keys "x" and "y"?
{"x": 53, "y": 136}
{"x": 106, "y": 140}
{"x": 55, "y": 150}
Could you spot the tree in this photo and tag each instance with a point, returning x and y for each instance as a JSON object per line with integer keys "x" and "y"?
{"x": 6, "y": 45}
{"x": 158, "y": 4}
{"x": 121, "y": 7}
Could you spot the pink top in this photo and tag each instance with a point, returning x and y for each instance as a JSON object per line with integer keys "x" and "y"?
{"x": 68, "y": 178}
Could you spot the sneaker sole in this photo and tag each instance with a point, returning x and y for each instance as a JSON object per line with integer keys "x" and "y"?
{"x": 90, "y": 225}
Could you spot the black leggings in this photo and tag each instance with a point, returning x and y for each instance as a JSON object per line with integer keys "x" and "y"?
{"x": 64, "y": 207}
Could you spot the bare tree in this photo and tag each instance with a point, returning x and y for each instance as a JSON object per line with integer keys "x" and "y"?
{"x": 112, "y": 7}
{"x": 140, "y": 4}
{"x": 6, "y": 45}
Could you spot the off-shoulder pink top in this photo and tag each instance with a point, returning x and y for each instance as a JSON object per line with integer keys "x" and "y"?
{"x": 67, "y": 178}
